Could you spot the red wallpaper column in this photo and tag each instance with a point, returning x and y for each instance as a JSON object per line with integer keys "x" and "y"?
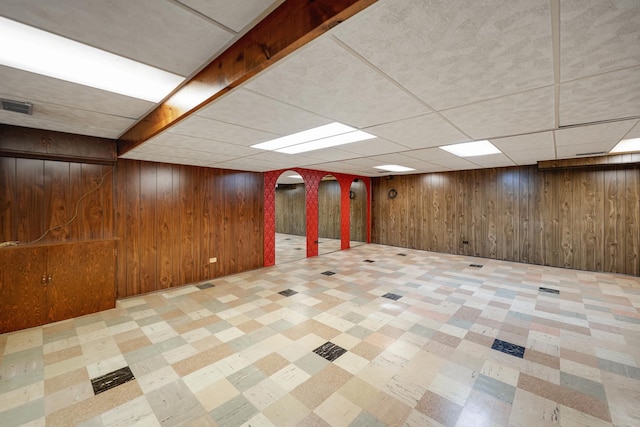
{"x": 312, "y": 180}
{"x": 270, "y": 179}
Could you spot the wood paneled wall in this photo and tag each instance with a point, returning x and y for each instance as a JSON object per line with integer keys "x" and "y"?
{"x": 329, "y": 209}
{"x": 291, "y": 217}
{"x": 581, "y": 218}
{"x": 358, "y": 212}
{"x": 36, "y": 195}
{"x": 171, "y": 219}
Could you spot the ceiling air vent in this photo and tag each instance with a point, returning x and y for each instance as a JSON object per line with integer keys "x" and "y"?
{"x": 595, "y": 153}
{"x": 17, "y": 106}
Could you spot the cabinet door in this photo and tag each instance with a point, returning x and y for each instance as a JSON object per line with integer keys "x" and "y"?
{"x": 22, "y": 293}
{"x": 82, "y": 279}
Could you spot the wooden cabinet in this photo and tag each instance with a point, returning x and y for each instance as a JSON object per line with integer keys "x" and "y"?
{"x": 46, "y": 283}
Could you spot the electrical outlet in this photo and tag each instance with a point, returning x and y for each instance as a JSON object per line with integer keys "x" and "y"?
{"x": 465, "y": 242}
{"x": 212, "y": 260}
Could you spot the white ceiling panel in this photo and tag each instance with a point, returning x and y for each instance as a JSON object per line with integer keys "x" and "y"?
{"x": 607, "y": 96}
{"x": 243, "y": 107}
{"x": 605, "y": 132}
{"x": 510, "y": 115}
{"x": 248, "y": 164}
{"x": 593, "y": 149}
{"x": 66, "y": 119}
{"x": 184, "y": 153}
{"x": 156, "y": 32}
{"x": 326, "y": 79}
{"x": 197, "y": 144}
{"x": 429, "y": 130}
{"x": 597, "y": 36}
{"x": 635, "y": 132}
{"x": 280, "y": 158}
{"x": 491, "y": 161}
{"x": 372, "y": 147}
{"x": 532, "y": 156}
{"x": 201, "y": 127}
{"x": 442, "y": 158}
{"x": 235, "y": 14}
{"x": 540, "y": 140}
{"x": 451, "y": 53}
{"x": 164, "y": 159}
{"x": 34, "y": 88}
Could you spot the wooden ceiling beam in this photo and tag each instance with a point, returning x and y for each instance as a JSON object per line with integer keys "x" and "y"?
{"x": 290, "y": 26}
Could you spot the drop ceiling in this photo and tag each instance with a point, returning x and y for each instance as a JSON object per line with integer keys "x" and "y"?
{"x": 541, "y": 79}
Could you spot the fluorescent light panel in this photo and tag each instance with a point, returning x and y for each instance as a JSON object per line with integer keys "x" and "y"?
{"x": 332, "y": 141}
{"x": 394, "y": 168}
{"x": 320, "y": 132}
{"x": 30, "y": 49}
{"x": 296, "y": 176}
{"x": 319, "y": 137}
{"x": 471, "y": 149}
{"x": 626, "y": 145}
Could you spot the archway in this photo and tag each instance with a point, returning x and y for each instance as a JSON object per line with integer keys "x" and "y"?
{"x": 328, "y": 215}
{"x": 358, "y": 213}
{"x": 290, "y": 218}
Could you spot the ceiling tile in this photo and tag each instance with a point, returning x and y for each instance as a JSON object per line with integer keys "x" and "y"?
{"x": 245, "y": 108}
{"x": 532, "y": 156}
{"x": 185, "y": 153}
{"x": 598, "y": 36}
{"x": 324, "y": 78}
{"x": 635, "y": 132}
{"x": 372, "y": 147}
{"x": 454, "y": 53}
{"x": 66, "y": 119}
{"x": 607, "y": 96}
{"x": 235, "y": 14}
{"x": 429, "y": 130}
{"x": 198, "y": 144}
{"x": 510, "y": 115}
{"x": 248, "y": 164}
{"x": 593, "y": 149}
{"x": 29, "y": 87}
{"x": 159, "y": 33}
{"x": 605, "y": 132}
{"x": 214, "y": 130}
{"x": 540, "y": 140}
{"x": 491, "y": 161}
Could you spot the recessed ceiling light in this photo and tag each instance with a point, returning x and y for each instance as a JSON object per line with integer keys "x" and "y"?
{"x": 394, "y": 168}
{"x": 626, "y": 145}
{"x": 471, "y": 149}
{"x": 332, "y": 141}
{"x": 296, "y": 176}
{"x": 319, "y": 132}
{"x": 37, "y": 51}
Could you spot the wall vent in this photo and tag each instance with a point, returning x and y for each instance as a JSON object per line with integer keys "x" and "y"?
{"x": 17, "y": 106}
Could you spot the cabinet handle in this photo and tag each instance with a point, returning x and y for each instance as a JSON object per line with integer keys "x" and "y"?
{"x": 48, "y": 280}
{"x": 44, "y": 279}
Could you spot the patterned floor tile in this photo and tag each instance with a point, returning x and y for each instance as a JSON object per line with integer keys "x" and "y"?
{"x": 233, "y": 351}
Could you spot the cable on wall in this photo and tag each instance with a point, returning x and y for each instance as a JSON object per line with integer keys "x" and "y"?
{"x": 75, "y": 215}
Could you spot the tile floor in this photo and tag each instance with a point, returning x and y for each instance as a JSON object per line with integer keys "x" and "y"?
{"x": 455, "y": 346}
{"x": 290, "y": 247}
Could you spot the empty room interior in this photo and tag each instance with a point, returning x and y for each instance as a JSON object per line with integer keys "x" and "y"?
{"x": 320, "y": 213}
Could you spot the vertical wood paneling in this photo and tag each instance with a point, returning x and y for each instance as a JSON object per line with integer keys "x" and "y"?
{"x": 30, "y": 201}
{"x": 164, "y": 225}
{"x": 291, "y": 216}
{"x": 632, "y": 229}
{"x": 584, "y": 218}
{"x": 358, "y": 212}
{"x": 8, "y": 222}
{"x": 57, "y": 200}
{"x": 133, "y": 220}
{"x": 92, "y": 210}
{"x": 329, "y": 209}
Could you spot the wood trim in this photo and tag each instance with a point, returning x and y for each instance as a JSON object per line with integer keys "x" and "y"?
{"x": 16, "y": 141}
{"x": 290, "y": 26}
{"x": 591, "y": 162}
